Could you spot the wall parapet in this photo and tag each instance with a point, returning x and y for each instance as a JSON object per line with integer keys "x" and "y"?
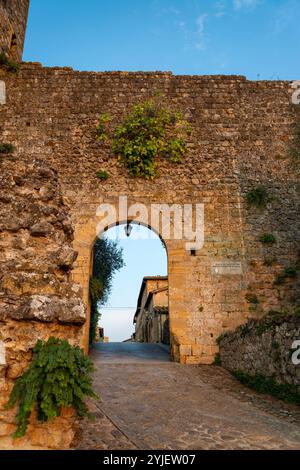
{"x": 266, "y": 347}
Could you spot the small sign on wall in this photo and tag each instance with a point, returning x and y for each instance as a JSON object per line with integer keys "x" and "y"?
{"x": 226, "y": 268}
{"x": 2, "y": 354}
{"x": 2, "y": 92}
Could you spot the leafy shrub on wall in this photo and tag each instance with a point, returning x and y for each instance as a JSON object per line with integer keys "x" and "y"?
{"x": 6, "y": 148}
{"x": 151, "y": 130}
{"x": 268, "y": 239}
{"x": 59, "y": 375}
{"x": 258, "y": 196}
{"x": 8, "y": 63}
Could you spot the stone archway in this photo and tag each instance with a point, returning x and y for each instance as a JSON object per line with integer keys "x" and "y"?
{"x": 84, "y": 239}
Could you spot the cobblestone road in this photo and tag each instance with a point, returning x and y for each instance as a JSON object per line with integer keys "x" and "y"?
{"x": 150, "y": 403}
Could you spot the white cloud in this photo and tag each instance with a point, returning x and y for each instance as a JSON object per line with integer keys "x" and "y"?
{"x": 200, "y": 22}
{"x": 220, "y": 9}
{"x": 240, "y": 4}
{"x": 284, "y": 16}
{"x": 199, "y": 35}
{"x": 194, "y": 35}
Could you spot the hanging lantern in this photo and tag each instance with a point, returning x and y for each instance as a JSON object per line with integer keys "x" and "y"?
{"x": 128, "y": 229}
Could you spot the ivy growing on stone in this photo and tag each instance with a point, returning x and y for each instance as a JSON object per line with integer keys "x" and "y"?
{"x": 258, "y": 196}
{"x": 217, "y": 360}
{"x": 297, "y": 312}
{"x": 102, "y": 175}
{"x": 102, "y": 127}
{"x": 271, "y": 319}
{"x": 291, "y": 272}
{"x": 6, "y": 148}
{"x": 151, "y": 130}
{"x": 268, "y": 239}
{"x": 8, "y": 63}
{"x": 251, "y": 298}
{"x": 58, "y": 375}
{"x": 285, "y": 391}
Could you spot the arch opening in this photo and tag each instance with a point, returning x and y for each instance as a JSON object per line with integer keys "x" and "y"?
{"x": 133, "y": 312}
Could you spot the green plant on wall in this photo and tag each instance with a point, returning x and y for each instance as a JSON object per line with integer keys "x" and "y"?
{"x": 251, "y": 299}
{"x": 6, "y": 148}
{"x": 151, "y": 130}
{"x": 260, "y": 383}
{"x": 217, "y": 360}
{"x": 268, "y": 239}
{"x": 297, "y": 312}
{"x": 258, "y": 196}
{"x": 8, "y": 63}
{"x": 102, "y": 175}
{"x": 58, "y": 375}
{"x": 291, "y": 272}
{"x": 102, "y": 127}
{"x": 269, "y": 261}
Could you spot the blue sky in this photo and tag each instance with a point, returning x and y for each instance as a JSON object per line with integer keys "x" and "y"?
{"x": 256, "y": 38}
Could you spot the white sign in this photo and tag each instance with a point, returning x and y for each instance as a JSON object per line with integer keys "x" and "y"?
{"x": 2, "y": 92}
{"x": 223, "y": 268}
{"x": 2, "y": 354}
{"x": 296, "y": 354}
{"x": 296, "y": 93}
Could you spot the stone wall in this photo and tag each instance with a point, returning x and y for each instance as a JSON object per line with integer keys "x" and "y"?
{"x": 241, "y": 136}
{"x": 38, "y": 299}
{"x": 264, "y": 347}
{"x": 13, "y": 14}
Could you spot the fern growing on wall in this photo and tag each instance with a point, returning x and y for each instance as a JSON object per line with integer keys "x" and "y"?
{"x": 58, "y": 375}
{"x": 8, "y": 63}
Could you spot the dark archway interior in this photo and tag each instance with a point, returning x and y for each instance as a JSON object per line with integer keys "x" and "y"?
{"x": 13, "y": 47}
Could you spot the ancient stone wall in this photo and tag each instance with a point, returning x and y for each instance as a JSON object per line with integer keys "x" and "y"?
{"x": 13, "y": 14}
{"x": 264, "y": 347}
{"x": 241, "y": 136}
{"x": 38, "y": 299}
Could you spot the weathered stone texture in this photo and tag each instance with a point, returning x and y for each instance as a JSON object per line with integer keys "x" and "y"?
{"x": 13, "y": 14}
{"x": 241, "y": 134}
{"x": 19, "y": 338}
{"x": 264, "y": 347}
{"x": 35, "y": 240}
{"x": 38, "y": 298}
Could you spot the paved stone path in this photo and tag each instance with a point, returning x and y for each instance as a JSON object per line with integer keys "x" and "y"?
{"x": 151, "y": 403}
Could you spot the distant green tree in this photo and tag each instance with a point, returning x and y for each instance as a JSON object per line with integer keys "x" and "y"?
{"x": 107, "y": 259}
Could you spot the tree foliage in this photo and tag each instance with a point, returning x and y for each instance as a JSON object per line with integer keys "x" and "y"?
{"x": 59, "y": 375}
{"x": 107, "y": 259}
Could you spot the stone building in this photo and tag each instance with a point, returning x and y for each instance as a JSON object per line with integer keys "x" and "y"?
{"x": 243, "y": 137}
{"x": 13, "y": 15}
{"x": 151, "y": 318}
